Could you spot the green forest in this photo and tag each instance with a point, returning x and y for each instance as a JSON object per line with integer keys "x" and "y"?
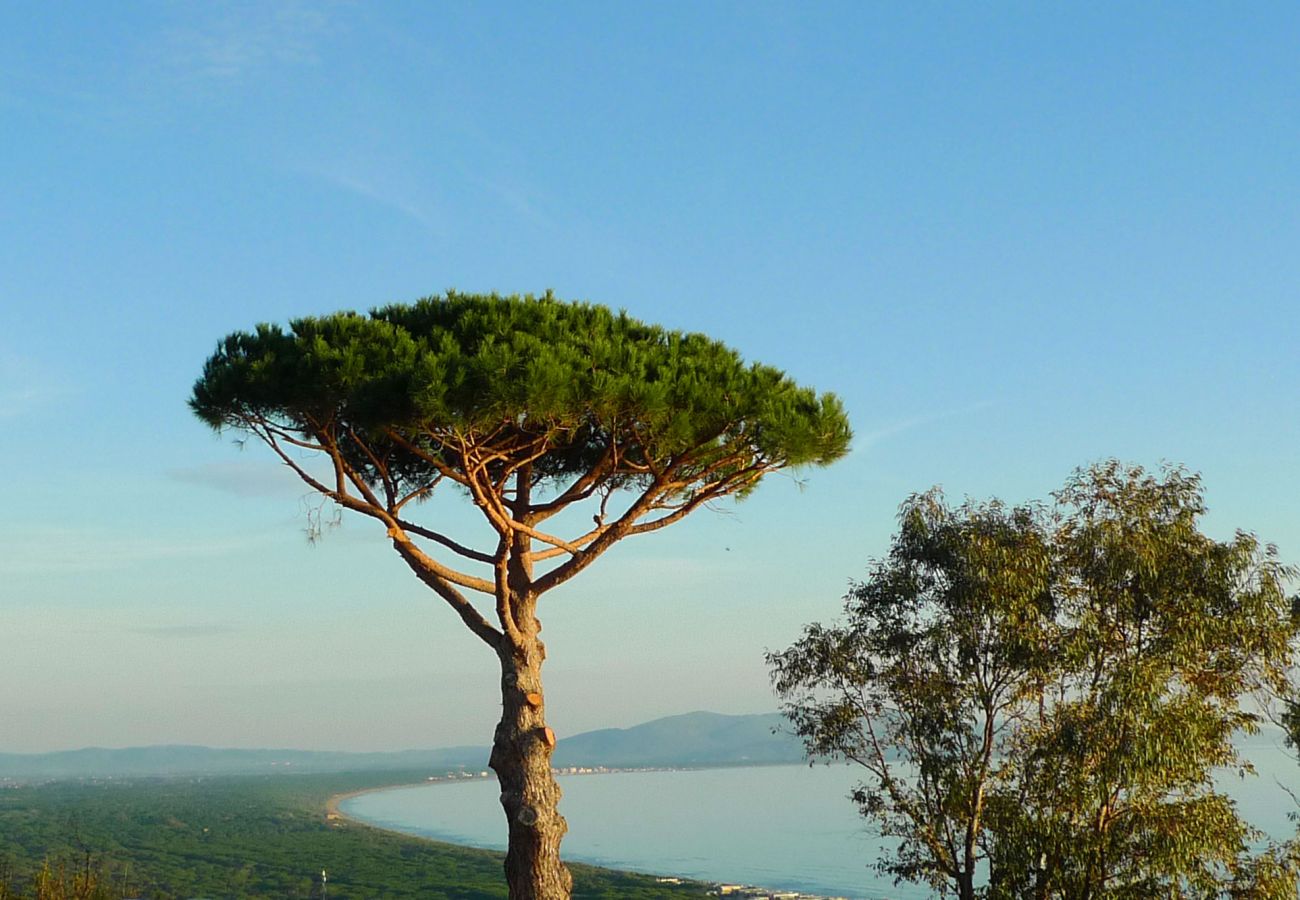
{"x": 249, "y": 837}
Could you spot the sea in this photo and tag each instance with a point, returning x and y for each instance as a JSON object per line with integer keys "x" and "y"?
{"x": 787, "y": 828}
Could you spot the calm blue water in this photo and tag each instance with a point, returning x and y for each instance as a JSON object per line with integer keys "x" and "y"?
{"x": 787, "y": 827}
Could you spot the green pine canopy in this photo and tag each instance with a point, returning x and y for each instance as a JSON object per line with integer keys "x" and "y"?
{"x": 591, "y": 389}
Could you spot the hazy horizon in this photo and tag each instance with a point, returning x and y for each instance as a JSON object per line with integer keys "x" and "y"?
{"x": 1014, "y": 241}
{"x": 484, "y": 743}
{"x": 1269, "y": 735}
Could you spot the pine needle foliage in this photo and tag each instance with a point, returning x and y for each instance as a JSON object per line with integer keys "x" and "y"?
{"x": 527, "y": 404}
{"x": 575, "y": 381}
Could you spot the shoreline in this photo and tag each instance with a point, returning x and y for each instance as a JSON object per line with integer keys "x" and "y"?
{"x": 335, "y": 815}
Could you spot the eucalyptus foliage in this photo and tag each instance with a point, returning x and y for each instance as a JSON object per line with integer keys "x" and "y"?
{"x": 1041, "y": 694}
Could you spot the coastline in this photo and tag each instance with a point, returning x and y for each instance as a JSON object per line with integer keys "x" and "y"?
{"x": 335, "y": 815}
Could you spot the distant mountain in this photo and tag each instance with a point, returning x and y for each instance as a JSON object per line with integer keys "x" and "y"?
{"x": 693, "y": 739}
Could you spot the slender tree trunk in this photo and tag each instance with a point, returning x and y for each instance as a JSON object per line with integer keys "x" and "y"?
{"x": 521, "y": 757}
{"x": 966, "y": 884}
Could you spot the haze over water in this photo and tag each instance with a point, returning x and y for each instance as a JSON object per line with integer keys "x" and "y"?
{"x": 786, "y": 827}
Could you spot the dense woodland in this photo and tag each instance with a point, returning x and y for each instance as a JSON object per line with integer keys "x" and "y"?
{"x": 263, "y": 837}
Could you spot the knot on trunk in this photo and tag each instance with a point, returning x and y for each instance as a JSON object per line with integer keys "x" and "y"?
{"x": 527, "y": 816}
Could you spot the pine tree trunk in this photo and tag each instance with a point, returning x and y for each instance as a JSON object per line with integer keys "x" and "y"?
{"x": 521, "y": 757}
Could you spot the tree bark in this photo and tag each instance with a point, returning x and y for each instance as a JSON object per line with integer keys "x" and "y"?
{"x": 966, "y": 884}
{"x": 521, "y": 758}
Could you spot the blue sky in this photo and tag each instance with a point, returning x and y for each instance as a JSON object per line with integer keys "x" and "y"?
{"x": 1015, "y": 238}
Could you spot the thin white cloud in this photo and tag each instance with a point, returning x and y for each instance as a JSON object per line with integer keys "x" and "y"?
{"x": 866, "y": 441}
{"x": 16, "y": 400}
{"x": 231, "y": 42}
{"x": 519, "y": 202}
{"x": 383, "y": 185}
{"x": 189, "y": 54}
{"x": 244, "y": 478}
{"x": 25, "y": 387}
{"x": 50, "y": 551}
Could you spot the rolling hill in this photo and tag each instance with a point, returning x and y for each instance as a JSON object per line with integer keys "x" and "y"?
{"x": 692, "y": 739}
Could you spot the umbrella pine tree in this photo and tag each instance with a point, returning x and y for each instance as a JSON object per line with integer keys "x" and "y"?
{"x": 531, "y": 407}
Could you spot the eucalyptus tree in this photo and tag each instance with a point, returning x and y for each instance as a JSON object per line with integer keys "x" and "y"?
{"x": 1171, "y": 645}
{"x": 942, "y": 656}
{"x": 1049, "y": 692}
{"x": 531, "y": 408}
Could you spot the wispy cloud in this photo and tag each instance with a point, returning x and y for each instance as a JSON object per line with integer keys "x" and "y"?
{"x": 243, "y": 478}
{"x": 867, "y": 440}
{"x": 383, "y": 184}
{"x": 186, "y": 55}
{"x": 18, "y": 399}
{"x": 58, "y": 550}
{"x": 235, "y": 41}
{"x": 519, "y": 201}
{"x": 25, "y": 386}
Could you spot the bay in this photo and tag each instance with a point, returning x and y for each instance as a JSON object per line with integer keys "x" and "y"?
{"x": 783, "y": 827}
